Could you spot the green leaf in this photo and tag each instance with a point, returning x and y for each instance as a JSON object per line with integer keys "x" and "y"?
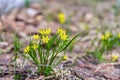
{"x": 57, "y": 62}
{"x": 51, "y": 41}
{"x": 17, "y": 77}
{"x": 48, "y": 71}
{"x": 27, "y": 3}
{"x": 16, "y": 43}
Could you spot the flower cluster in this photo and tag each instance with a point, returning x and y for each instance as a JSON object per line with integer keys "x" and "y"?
{"x": 44, "y": 49}
{"x": 108, "y": 41}
{"x": 45, "y": 33}
{"x": 45, "y": 37}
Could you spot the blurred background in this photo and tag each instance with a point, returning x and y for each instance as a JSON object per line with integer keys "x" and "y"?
{"x": 92, "y": 18}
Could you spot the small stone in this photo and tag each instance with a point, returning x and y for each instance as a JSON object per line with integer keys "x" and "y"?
{"x": 31, "y": 12}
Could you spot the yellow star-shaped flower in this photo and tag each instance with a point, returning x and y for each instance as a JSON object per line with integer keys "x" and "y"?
{"x": 46, "y": 31}
{"x": 103, "y": 37}
{"x": 106, "y": 36}
{"x": 45, "y": 39}
{"x": 36, "y": 36}
{"x": 118, "y": 35}
{"x": 64, "y": 37}
{"x": 27, "y": 49}
{"x": 65, "y": 57}
{"x": 59, "y": 31}
{"x": 61, "y": 17}
{"x": 115, "y": 57}
{"x": 34, "y": 46}
{"x": 62, "y": 34}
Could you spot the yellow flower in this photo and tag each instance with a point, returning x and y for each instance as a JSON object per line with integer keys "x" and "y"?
{"x": 34, "y": 46}
{"x": 60, "y": 30}
{"x": 61, "y": 17}
{"x": 46, "y": 31}
{"x": 106, "y": 36}
{"x": 63, "y": 36}
{"x": 36, "y": 36}
{"x": 103, "y": 37}
{"x": 118, "y": 35}
{"x": 45, "y": 39}
{"x": 115, "y": 57}
{"x": 65, "y": 57}
{"x": 41, "y": 31}
{"x": 27, "y": 49}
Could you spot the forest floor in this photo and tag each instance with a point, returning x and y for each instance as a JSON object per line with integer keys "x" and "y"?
{"x": 90, "y": 18}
